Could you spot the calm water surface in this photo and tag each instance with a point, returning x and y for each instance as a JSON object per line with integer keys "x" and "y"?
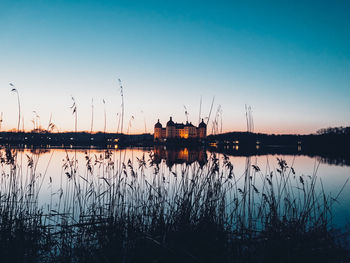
{"x": 49, "y": 167}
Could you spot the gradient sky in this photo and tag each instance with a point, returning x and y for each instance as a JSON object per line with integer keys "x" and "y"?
{"x": 289, "y": 60}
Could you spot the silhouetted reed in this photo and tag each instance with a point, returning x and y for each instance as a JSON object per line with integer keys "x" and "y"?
{"x": 114, "y": 211}
{"x": 18, "y": 104}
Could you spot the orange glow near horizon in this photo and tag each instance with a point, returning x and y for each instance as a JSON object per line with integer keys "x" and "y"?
{"x": 285, "y": 128}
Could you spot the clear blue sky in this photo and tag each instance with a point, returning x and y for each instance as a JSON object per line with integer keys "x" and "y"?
{"x": 289, "y": 60}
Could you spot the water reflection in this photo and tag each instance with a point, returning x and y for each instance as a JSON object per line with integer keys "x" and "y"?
{"x": 334, "y": 160}
{"x": 48, "y": 165}
{"x": 180, "y": 155}
{"x": 189, "y": 155}
{"x": 341, "y": 158}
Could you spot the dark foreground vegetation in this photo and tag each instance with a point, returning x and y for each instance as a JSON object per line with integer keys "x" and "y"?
{"x": 119, "y": 211}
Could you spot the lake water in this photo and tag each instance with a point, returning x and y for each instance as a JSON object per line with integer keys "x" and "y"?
{"x": 52, "y": 169}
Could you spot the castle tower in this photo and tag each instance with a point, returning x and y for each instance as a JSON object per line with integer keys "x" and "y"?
{"x": 170, "y": 129}
{"x": 202, "y": 129}
{"x": 158, "y": 131}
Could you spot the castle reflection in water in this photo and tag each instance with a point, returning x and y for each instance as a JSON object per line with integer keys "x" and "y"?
{"x": 180, "y": 155}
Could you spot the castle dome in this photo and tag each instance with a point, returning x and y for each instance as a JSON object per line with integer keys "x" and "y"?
{"x": 202, "y": 124}
{"x": 158, "y": 125}
{"x": 170, "y": 122}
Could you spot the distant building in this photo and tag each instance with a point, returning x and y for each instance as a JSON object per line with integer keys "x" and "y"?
{"x": 179, "y": 131}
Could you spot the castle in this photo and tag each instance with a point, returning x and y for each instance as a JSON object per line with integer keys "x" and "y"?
{"x": 179, "y": 131}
